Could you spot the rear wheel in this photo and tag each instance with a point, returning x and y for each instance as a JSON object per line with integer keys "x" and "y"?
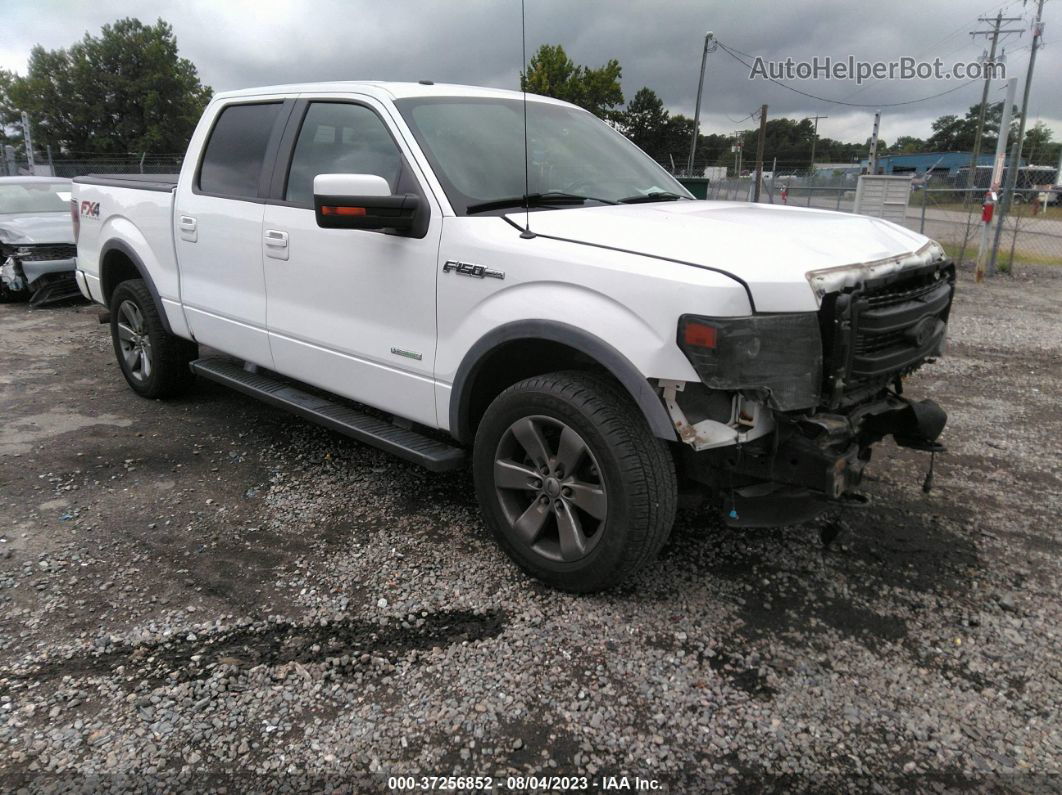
{"x": 572, "y": 482}
{"x": 153, "y": 361}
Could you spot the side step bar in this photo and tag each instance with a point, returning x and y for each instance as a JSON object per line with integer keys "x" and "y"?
{"x": 410, "y": 445}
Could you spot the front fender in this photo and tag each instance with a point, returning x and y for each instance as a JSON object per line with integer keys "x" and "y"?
{"x": 611, "y": 335}
{"x": 600, "y": 351}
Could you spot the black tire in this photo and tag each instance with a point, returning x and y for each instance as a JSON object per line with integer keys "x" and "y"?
{"x": 622, "y": 459}
{"x": 166, "y": 373}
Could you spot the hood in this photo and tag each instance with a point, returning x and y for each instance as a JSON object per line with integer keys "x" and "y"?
{"x": 772, "y": 248}
{"x": 27, "y": 228}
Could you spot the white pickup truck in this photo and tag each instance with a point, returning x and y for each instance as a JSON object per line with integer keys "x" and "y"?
{"x": 448, "y": 274}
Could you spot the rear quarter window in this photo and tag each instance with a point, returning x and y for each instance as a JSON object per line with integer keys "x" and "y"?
{"x": 235, "y": 153}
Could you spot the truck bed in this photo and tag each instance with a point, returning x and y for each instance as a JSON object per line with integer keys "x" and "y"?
{"x": 159, "y": 182}
{"x": 141, "y": 205}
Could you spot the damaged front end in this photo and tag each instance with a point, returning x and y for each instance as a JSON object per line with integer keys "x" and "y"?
{"x": 790, "y": 405}
{"x": 42, "y": 273}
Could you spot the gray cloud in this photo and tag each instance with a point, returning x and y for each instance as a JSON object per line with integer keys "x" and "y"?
{"x": 239, "y": 44}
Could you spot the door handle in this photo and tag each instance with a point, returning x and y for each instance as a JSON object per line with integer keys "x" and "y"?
{"x": 187, "y": 226}
{"x": 276, "y": 238}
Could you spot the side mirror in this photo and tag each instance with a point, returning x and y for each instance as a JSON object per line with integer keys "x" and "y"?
{"x": 361, "y": 201}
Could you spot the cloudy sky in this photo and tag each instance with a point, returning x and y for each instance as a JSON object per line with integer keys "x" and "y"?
{"x": 238, "y": 43}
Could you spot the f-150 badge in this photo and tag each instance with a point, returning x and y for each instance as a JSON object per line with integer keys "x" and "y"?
{"x": 475, "y": 271}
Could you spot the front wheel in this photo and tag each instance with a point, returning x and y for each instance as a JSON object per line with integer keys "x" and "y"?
{"x": 572, "y": 482}
{"x": 153, "y": 361}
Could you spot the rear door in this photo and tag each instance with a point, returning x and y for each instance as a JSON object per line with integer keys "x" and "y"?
{"x": 351, "y": 310}
{"x": 218, "y": 229}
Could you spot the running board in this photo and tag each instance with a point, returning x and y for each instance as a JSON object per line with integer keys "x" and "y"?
{"x": 410, "y": 445}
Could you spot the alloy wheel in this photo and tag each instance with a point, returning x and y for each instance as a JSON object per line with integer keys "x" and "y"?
{"x": 551, "y": 489}
{"x": 134, "y": 341}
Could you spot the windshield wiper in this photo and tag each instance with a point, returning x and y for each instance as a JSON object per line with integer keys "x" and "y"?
{"x": 655, "y": 196}
{"x": 533, "y": 200}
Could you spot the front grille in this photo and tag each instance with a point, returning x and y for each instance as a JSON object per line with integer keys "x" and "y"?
{"x": 881, "y": 342}
{"x": 45, "y": 252}
{"x": 882, "y": 329}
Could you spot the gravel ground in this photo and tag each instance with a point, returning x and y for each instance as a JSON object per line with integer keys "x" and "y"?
{"x": 209, "y": 593}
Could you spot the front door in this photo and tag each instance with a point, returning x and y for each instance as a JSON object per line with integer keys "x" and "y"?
{"x": 218, "y": 231}
{"x": 351, "y": 311}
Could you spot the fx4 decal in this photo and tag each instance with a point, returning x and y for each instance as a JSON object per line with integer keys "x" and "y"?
{"x": 90, "y": 209}
{"x": 475, "y": 271}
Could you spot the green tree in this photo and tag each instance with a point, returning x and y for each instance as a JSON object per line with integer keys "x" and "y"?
{"x": 8, "y": 112}
{"x": 948, "y": 134}
{"x": 1038, "y": 148}
{"x": 954, "y": 134}
{"x": 645, "y": 122}
{"x": 906, "y": 144}
{"x": 552, "y": 73}
{"x": 673, "y": 145}
{"x": 126, "y": 90}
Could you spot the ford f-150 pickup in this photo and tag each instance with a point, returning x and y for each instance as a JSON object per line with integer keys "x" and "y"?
{"x": 457, "y": 277}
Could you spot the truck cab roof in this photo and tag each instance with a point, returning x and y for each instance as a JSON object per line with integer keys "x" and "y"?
{"x": 385, "y": 90}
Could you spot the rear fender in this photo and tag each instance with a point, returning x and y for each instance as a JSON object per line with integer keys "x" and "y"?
{"x": 108, "y": 264}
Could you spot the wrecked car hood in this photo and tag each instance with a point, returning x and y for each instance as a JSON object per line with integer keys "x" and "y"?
{"x": 29, "y": 228}
{"x": 772, "y": 248}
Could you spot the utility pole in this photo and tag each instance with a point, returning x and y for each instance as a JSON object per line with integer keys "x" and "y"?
{"x": 29, "y": 142}
{"x": 989, "y": 63}
{"x": 710, "y": 45}
{"x": 759, "y": 152}
{"x": 872, "y": 160}
{"x": 997, "y": 175}
{"x": 815, "y": 140}
{"x": 1015, "y": 160}
{"x": 997, "y": 24}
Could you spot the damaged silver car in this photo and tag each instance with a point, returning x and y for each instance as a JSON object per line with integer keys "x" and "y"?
{"x": 37, "y": 250}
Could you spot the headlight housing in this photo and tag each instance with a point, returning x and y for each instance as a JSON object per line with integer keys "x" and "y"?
{"x": 780, "y": 354}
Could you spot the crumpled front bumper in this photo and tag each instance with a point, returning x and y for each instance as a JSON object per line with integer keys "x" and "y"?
{"x": 45, "y": 281}
{"x": 32, "y": 270}
{"x": 811, "y": 460}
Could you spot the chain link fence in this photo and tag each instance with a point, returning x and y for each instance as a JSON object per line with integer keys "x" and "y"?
{"x": 942, "y": 207}
{"x": 75, "y": 166}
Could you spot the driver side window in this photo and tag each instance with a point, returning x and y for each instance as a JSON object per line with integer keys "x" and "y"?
{"x": 341, "y": 138}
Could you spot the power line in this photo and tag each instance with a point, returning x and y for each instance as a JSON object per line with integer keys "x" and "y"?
{"x": 932, "y": 47}
{"x": 743, "y": 118}
{"x": 735, "y": 55}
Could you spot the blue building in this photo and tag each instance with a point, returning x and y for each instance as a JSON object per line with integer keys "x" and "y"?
{"x": 939, "y": 164}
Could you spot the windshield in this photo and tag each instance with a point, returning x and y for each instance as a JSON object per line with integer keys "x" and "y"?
{"x": 476, "y": 148}
{"x": 35, "y": 197}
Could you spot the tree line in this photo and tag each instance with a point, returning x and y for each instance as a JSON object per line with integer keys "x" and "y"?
{"x": 128, "y": 90}
{"x": 124, "y": 91}
{"x": 666, "y": 137}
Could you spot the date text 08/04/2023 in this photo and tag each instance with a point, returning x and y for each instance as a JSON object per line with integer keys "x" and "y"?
{"x": 522, "y": 783}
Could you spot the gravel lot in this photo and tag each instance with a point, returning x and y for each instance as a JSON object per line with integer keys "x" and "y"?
{"x": 210, "y": 593}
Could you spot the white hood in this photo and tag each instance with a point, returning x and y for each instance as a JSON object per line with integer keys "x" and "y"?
{"x": 770, "y": 247}
{"x": 27, "y": 228}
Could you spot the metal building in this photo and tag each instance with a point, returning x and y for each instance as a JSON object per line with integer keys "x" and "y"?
{"x": 938, "y": 164}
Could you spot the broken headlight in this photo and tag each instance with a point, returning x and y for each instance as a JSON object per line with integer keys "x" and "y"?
{"x": 777, "y": 354}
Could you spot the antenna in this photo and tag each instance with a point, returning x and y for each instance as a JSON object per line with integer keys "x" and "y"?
{"x": 527, "y": 233}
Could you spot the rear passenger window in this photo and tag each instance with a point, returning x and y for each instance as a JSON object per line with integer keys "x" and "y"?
{"x": 236, "y": 150}
{"x": 340, "y": 138}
